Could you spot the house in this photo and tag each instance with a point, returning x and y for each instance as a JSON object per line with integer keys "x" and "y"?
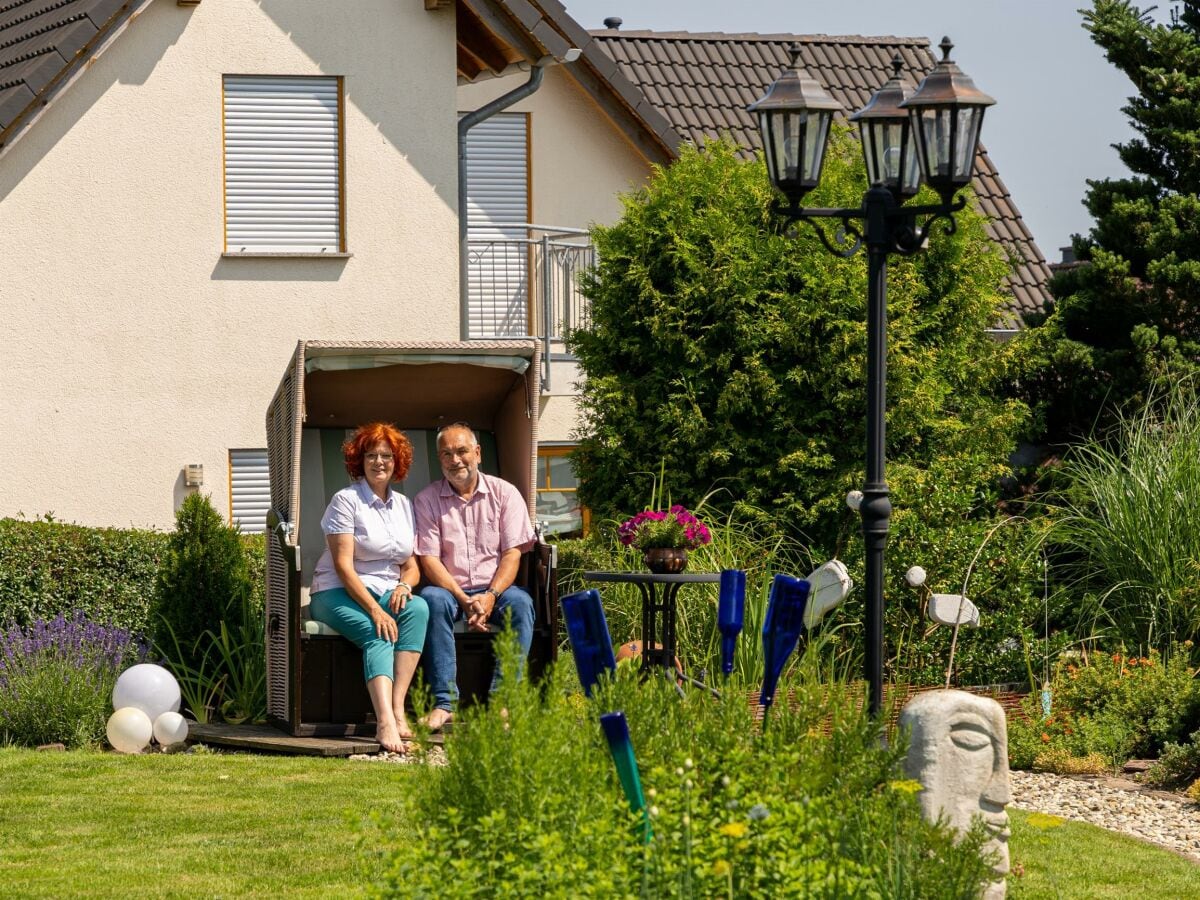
{"x": 597, "y": 127}
{"x": 701, "y": 84}
{"x": 188, "y": 187}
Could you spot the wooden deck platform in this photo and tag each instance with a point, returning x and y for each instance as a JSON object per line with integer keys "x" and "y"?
{"x": 267, "y": 739}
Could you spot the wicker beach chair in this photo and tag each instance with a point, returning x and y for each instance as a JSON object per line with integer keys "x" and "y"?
{"x": 314, "y": 677}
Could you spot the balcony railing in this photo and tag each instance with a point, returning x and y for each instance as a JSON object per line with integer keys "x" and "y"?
{"x": 523, "y": 280}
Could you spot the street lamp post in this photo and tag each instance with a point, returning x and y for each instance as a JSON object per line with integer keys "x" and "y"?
{"x": 931, "y": 132}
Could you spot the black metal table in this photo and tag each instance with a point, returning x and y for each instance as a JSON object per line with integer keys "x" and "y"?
{"x": 658, "y": 613}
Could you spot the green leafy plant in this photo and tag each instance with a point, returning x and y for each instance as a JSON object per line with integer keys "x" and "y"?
{"x": 204, "y": 579}
{"x": 49, "y": 569}
{"x": 1179, "y": 763}
{"x": 816, "y": 805}
{"x": 731, "y": 355}
{"x": 1111, "y": 705}
{"x": 57, "y": 677}
{"x": 230, "y": 678}
{"x": 1124, "y": 537}
{"x": 674, "y": 528}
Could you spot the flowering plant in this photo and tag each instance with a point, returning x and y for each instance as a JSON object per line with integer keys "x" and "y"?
{"x": 57, "y": 677}
{"x": 675, "y": 528}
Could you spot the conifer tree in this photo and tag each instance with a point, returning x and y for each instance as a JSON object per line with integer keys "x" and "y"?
{"x": 1125, "y": 322}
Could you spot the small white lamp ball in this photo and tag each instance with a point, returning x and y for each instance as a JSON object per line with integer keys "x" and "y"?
{"x": 170, "y": 728}
{"x": 129, "y": 730}
{"x": 854, "y": 499}
{"x": 150, "y": 688}
{"x": 915, "y": 576}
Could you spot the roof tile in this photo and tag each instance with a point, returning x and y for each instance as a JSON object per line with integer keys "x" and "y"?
{"x": 702, "y": 84}
{"x": 40, "y": 41}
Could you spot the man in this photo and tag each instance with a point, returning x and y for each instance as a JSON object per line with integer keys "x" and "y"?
{"x": 471, "y": 531}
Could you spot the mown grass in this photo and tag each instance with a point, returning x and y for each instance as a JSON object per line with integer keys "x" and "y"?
{"x": 1075, "y": 860}
{"x": 101, "y": 825}
{"x": 85, "y": 824}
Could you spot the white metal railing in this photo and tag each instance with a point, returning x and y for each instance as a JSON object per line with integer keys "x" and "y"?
{"x": 523, "y": 280}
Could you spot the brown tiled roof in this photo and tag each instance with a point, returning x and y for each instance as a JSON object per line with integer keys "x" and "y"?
{"x": 41, "y": 43}
{"x": 703, "y": 83}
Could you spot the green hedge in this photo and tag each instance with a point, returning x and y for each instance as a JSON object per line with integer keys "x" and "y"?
{"x": 47, "y": 568}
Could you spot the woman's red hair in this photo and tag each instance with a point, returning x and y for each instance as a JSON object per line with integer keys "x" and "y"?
{"x": 368, "y": 436}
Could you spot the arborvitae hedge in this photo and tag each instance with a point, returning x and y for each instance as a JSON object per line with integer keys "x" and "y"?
{"x": 109, "y": 574}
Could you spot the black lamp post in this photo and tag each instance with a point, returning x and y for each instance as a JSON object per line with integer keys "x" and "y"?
{"x": 936, "y": 129}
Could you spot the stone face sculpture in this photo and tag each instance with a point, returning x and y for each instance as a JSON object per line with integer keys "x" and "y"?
{"x": 959, "y": 752}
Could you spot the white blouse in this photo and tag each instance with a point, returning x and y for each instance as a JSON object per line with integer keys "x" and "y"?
{"x": 383, "y": 537}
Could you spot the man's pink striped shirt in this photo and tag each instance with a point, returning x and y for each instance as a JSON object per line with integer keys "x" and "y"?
{"x": 469, "y": 536}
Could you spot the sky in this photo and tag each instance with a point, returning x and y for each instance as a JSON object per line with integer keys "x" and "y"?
{"x": 1058, "y": 101}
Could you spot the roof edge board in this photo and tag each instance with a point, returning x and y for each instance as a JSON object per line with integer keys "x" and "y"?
{"x": 494, "y": 15}
{"x": 74, "y": 69}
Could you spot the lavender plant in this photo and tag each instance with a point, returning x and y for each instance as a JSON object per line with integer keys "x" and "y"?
{"x": 56, "y": 679}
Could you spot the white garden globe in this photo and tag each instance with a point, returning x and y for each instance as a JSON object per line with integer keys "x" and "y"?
{"x": 170, "y": 728}
{"x": 129, "y": 730}
{"x": 150, "y": 688}
{"x": 915, "y": 576}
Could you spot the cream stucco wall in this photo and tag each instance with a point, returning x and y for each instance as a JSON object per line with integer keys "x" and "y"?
{"x": 133, "y": 347}
{"x": 580, "y": 163}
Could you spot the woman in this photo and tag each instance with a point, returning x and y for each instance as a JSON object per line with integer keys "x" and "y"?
{"x": 362, "y": 586}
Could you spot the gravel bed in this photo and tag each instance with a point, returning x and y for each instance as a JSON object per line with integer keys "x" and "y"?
{"x": 430, "y": 756}
{"x": 1117, "y": 804}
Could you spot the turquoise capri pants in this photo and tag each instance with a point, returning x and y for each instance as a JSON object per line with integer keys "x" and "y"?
{"x": 337, "y": 609}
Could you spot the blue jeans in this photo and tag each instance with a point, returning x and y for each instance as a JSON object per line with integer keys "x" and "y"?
{"x": 514, "y": 605}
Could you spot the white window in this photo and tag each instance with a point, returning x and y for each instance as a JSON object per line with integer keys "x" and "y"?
{"x": 497, "y": 229}
{"x": 249, "y": 490}
{"x": 283, "y": 165}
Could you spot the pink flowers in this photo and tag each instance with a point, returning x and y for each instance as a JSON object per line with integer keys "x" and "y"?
{"x": 675, "y": 527}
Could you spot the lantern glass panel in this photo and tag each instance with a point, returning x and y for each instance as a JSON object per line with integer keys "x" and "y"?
{"x": 970, "y": 118}
{"x": 817, "y": 132}
{"x": 888, "y": 161}
{"x": 794, "y": 143}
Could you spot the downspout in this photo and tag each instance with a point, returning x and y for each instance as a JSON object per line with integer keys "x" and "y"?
{"x": 465, "y": 124}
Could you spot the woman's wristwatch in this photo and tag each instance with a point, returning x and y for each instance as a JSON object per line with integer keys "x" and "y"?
{"x": 406, "y": 586}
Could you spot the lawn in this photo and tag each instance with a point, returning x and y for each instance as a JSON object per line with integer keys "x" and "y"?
{"x": 1073, "y": 859}
{"x": 195, "y": 825}
{"x": 99, "y": 824}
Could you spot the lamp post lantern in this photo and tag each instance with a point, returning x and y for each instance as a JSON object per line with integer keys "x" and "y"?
{"x": 932, "y": 132}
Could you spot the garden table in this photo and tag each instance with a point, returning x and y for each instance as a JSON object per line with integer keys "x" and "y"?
{"x": 658, "y": 611}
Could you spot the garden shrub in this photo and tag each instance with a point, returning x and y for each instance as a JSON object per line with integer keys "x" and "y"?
{"x": 1159, "y": 700}
{"x": 1111, "y": 705}
{"x": 1060, "y": 761}
{"x": 204, "y": 580}
{"x": 57, "y": 678}
{"x": 530, "y": 805}
{"x": 1178, "y": 764}
{"x": 48, "y": 569}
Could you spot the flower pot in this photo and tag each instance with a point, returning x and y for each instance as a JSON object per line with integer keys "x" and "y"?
{"x": 666, "y": 560}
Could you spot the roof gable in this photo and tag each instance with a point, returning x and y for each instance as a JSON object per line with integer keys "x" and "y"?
{"x": 42, "y": 43}
{"x": 702, "y": 84}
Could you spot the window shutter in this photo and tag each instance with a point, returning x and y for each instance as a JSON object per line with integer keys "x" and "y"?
{"x": 497, "y": 216}
{"x": 283, "y": 165}
{"x": 249, "y": 490}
